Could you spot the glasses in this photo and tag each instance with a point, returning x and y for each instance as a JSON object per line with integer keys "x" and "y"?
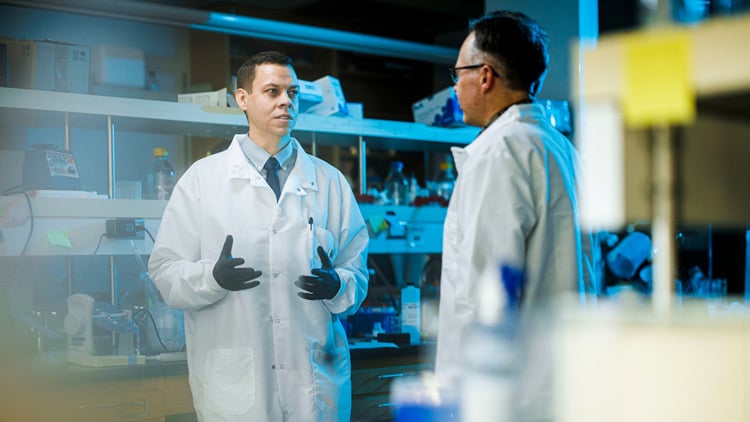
{"x": 452, "y": 71}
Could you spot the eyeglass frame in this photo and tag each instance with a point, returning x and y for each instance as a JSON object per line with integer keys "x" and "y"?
{"x": 454, "y": 75}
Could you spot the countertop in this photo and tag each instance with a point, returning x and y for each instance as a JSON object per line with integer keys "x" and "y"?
{"x": 362, "y": 358}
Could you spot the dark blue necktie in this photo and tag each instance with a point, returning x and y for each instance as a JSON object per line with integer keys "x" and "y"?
{"x": 272, "y": 175}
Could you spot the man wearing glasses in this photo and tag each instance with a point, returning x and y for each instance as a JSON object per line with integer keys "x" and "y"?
{"x": 514, "y": 203}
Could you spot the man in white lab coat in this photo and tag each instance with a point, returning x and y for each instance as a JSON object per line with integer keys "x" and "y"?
{"x": 264, "y": 341}
{"x": 514, "y": 202}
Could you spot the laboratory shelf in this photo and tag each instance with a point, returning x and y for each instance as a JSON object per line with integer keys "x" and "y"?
{"x": 73, "y": 226}
{"x": 47, "y": 108}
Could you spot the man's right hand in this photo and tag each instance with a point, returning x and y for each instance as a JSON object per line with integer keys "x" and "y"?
{"x": 232, "y": 278}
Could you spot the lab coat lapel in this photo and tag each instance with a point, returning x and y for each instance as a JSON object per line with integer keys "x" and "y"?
{"x": 237, "y": 165}
{"x": 302, "y": 177}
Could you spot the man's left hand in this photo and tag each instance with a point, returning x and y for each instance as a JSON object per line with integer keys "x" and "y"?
{"x": 323, "y": 284}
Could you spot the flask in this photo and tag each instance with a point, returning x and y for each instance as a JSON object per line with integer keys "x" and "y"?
{"x": 161, "y": 179}
{"x": 411, "y": 312}
{"x": 396, "y": 185}
{"x": 446, "y": 180}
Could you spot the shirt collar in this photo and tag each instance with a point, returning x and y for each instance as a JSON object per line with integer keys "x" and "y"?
{"x": 500, "y": 113}
{"x": 257, "y": 156}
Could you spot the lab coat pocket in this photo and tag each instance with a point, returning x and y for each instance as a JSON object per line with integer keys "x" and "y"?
{"x": 319, "y": 236}
{"x": 229, "y": 381}
{"x": 331, "y": 374}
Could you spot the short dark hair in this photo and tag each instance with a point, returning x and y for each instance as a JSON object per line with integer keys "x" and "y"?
{"x": 246, "y": 72}
{"x": 517, "y": 42}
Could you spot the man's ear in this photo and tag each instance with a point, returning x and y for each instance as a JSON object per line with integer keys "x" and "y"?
{"x": 487, "y": 79}
{"x": 240, "y": 96}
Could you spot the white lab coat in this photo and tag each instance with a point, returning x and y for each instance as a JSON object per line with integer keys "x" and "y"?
{"x": 514, "y": 203}
{"x": 263, "y": 354}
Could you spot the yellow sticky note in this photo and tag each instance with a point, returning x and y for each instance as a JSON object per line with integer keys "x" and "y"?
{"x": 59, "y": 238}
{"x": 658, "y": 79}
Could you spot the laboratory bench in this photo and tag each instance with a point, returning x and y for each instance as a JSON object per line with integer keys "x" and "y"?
{"x": 159, "y": 391}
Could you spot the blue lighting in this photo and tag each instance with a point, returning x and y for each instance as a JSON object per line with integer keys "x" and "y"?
{"x": 323, "y": 37}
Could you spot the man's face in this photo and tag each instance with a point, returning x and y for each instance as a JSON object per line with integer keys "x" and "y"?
{"x": 467, "y": 86}
{"x": 272, "y": 104}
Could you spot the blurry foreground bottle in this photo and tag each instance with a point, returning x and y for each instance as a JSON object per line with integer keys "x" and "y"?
{"x": 490, "y": 373}
{"x": 161, "y": 179}
{"x": 396, "y": 184}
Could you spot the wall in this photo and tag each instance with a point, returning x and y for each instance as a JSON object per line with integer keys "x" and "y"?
{"x": 561, "y": 20}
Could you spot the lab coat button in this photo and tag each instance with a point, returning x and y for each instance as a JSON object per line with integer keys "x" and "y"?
{"x": 273, "y": 231}
{"x": 278, "y": 320}
{"x": 275, "y": 275}
{"x": 273, "y": 366}
{"x": 281, "y": 366}
{"x": 286, "y": 412}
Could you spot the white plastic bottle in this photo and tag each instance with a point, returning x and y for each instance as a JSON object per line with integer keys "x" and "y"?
{"x": 411, "y": 312}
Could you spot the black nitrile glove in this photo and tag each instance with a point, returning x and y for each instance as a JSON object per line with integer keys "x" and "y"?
{"x": 228, "y": 276}
{"x": 323, "y": 284}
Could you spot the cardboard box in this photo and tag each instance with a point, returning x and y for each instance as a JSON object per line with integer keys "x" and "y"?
{"x": 310, "y": 94}
{"x": 118, "y": 65}
{"x": 48, "y": 65}
{"x": 439, "y": 109}
{"x": 334, "y": 103}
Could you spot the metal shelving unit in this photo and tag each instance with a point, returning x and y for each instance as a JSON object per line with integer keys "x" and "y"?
{"x": 82, "y": 217}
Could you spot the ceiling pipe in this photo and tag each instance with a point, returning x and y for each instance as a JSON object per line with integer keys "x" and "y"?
{"x": 251, "y": 27}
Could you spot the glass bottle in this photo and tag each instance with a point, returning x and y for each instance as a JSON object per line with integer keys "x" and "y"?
{"x": 396, "y": 184}
{"x": 413, "y": 188}
{"x": 446, "y": 180}
{"x": 161, "y": 179}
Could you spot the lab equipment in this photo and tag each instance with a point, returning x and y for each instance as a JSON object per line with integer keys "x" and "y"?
{"x": 161, "y": 179}
{"x": 396, "y": 185}
{"x": 625, "y": 259}
{"x": 99, "y": 334}
{"x": 163, "y": 327}
{"x": 45, "y": 167}
{"x": 363, "y": 323}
